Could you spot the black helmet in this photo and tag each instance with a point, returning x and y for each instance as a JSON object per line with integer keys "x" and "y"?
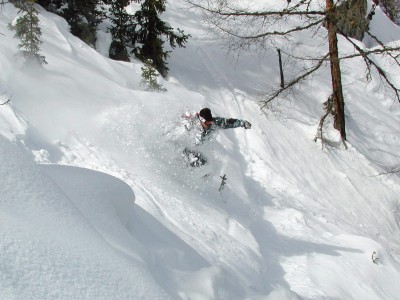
{"x": 205, "y": 113}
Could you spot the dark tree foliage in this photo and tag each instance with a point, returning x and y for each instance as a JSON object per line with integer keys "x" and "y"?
{"x": 148, "y": 34}
{"x": 44, "y": 3}
{"x": 83, "y": 16}
{"x": 120, "y": 30}
{"x": 52, "y": 5}
{"x": 144, "y": 32}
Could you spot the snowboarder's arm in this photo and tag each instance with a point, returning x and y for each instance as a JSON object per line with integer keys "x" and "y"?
{"x": 225, "y": 123}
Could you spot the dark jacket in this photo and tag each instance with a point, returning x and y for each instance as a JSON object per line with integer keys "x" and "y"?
{"x": 219, "y": 123}
{"x": 191, "y": 122}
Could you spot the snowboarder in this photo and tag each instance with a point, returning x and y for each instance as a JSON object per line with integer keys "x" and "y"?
{"x": 206, "y": 124}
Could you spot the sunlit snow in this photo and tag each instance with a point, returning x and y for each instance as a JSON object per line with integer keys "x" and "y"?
{"x": 96, "y": 201}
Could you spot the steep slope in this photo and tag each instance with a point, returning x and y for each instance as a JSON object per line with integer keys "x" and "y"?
{"x": 292, "y": 220}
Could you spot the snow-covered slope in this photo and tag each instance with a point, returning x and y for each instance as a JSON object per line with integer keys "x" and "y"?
{"x": 97, "y": 203}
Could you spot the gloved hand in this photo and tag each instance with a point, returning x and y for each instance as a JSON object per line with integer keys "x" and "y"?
{"x": 246, "y": 124}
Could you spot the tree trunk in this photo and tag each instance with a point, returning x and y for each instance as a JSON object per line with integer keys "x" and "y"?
{"x": 281, "y": 69}
{"x": 338, "y": 100}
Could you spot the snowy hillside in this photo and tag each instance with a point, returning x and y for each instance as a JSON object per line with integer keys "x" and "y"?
{"x": 96, "y": 201}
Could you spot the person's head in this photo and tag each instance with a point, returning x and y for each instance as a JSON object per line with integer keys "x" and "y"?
{"x": 206, "y": 117}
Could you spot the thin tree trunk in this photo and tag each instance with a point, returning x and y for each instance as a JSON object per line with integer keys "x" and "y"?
{"x": 338, "y": 100}
{"x": 281, "y": 69}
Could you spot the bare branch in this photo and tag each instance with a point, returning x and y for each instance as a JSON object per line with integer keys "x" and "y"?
{"x": 234, "y": 12}
{"x": 7, "y": 101}
{"x": 275, "y": 33}
{"x": 392, "y": 171}
{"x": 307, "y": 3}
{"x": 386, "y": 50}
{"x": 385, "y": 47}
{"x": 381, "y": 71}
{"x": 328, "y": 110}
{"x": 296, "y": 80}
{"x": 252, "y": 29}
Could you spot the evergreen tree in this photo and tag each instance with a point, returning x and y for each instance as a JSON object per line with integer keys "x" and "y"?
{"x": 44, "y": 3}
{"x": 149, "y": 32}
{"x": 150, "y": 77}
{"x": 28, "y": 31}
{"x": 83, "y": 16}
{"x": 121, "y": 26}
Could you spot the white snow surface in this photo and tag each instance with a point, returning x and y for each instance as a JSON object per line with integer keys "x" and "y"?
{"x": 96, "y": 201}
